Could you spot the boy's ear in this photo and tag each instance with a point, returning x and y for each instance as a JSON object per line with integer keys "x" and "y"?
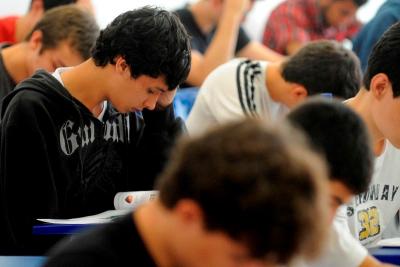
{"x": 121, "y": 66}
{"x": 36, "y": 39}
{"x": 380, "y": 85}
{"x": 189, "y": 212}
{"x": 299, "y": 92}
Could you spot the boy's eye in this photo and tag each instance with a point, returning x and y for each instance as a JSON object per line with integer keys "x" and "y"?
{"x": 149, "y": 91}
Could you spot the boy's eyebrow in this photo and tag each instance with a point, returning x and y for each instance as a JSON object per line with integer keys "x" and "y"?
{"x": 162, "y": 90}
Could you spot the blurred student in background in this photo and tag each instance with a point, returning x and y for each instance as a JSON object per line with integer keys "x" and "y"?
{"x": 217, "y": 36}
{"x": 387, "y": 15}
{"x": 293, "y": 23}
{"x": 14, "y": 29}
{"x": 63, "y": 37}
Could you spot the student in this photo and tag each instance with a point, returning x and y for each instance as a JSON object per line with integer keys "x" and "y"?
{"x": 265, "y": 90}
{"x": 14, "y": 29}
{"x": 378, "y": 103}
{"x": 241, "y": 194}
{"x": 217, "y": 36}
{"x": 339, "y": 134}
{"x": 387, "y": 15}
{"x": 63, "y": 37}
{"x": 73, "y": 139}
{"x": 293, "y": 23}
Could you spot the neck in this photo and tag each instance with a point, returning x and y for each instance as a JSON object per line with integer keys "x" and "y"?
{"x": 202, "y": 16}
{"x": 151, "y": 219}
{"x": 276, "y": 85}
{"x": 15, "y": 61}
{"x": 362, "y": 105}
{"x": 86, "y": 83}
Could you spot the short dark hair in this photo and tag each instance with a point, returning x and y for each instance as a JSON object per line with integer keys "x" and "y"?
{"x": 151, "y": 40}
{"x": 48, "y": 4}
{"x": 385, "y": 58}
{"x": 324, "y": 67}
{"x": 259, "y": 185}
{"x": 68, "y": 23}
{"x": 341, "y": 135}
{"x": 359, "y": 2}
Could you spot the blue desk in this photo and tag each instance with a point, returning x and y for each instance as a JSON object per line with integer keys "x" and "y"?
{"x": 184, "y": 100}
{"x": 387, "y": 254}
{"x": 60, "y": 229}
{"x": 21, "y": 261}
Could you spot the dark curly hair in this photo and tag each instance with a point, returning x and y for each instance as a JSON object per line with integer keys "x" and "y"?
{"x": 152, "y": 41}
{"x": 260, "y": 185}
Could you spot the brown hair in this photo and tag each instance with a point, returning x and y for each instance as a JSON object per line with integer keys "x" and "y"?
{"x": 68, "y": 23}
{"x": 260, "y": 185}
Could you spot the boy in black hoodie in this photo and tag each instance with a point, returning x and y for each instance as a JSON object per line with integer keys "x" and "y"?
{"x": 70, "y": 141}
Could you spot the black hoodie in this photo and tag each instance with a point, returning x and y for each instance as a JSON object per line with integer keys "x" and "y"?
{"x": 58, "y": 161}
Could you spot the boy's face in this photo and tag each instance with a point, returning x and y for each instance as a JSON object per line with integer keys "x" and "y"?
{"x": 49, "y": 59}
{"x": 338, "y": 13}
{"x": 134, "y": 95}
{"x": 385, "y": 112}
{"x": 339, "y": 195}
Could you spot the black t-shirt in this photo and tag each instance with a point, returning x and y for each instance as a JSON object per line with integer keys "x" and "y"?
{"x": 115, "y": 244}
{"x": 7, "y": 84}
{"x": 200, "y": 41}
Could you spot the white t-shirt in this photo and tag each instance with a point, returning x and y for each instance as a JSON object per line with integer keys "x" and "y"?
{"x": 232, "y": 91}
{"x": 370, "y": 213}
{"x": 342, "y": 248}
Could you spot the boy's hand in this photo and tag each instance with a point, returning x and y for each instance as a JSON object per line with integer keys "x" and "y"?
{"x": 166, "y": 99}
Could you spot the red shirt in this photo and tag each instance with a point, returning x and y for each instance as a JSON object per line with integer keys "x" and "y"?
{"x": 7, "y": 29}
{"x": 301, "y": 21}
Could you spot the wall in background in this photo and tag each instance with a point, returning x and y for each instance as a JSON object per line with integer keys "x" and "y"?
{"x": 107, "y": 10}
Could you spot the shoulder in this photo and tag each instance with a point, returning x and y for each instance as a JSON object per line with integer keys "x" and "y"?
{"x": 24, "y": 106}
{"x": 290, "y": 7}
{"x": 223, "y": 77}
{"x": 25, "y": 98}
{"x": 232, "y": 72}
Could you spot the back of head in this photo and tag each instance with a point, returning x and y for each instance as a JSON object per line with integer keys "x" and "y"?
{"x": 324, "y": 67}
{"x": 151, "y": 40}
{"x": 340, "y": 134}
{"x": 68, "y": 23}
{"x": 259, "y": 185}
{"x": 385, "y": 58}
